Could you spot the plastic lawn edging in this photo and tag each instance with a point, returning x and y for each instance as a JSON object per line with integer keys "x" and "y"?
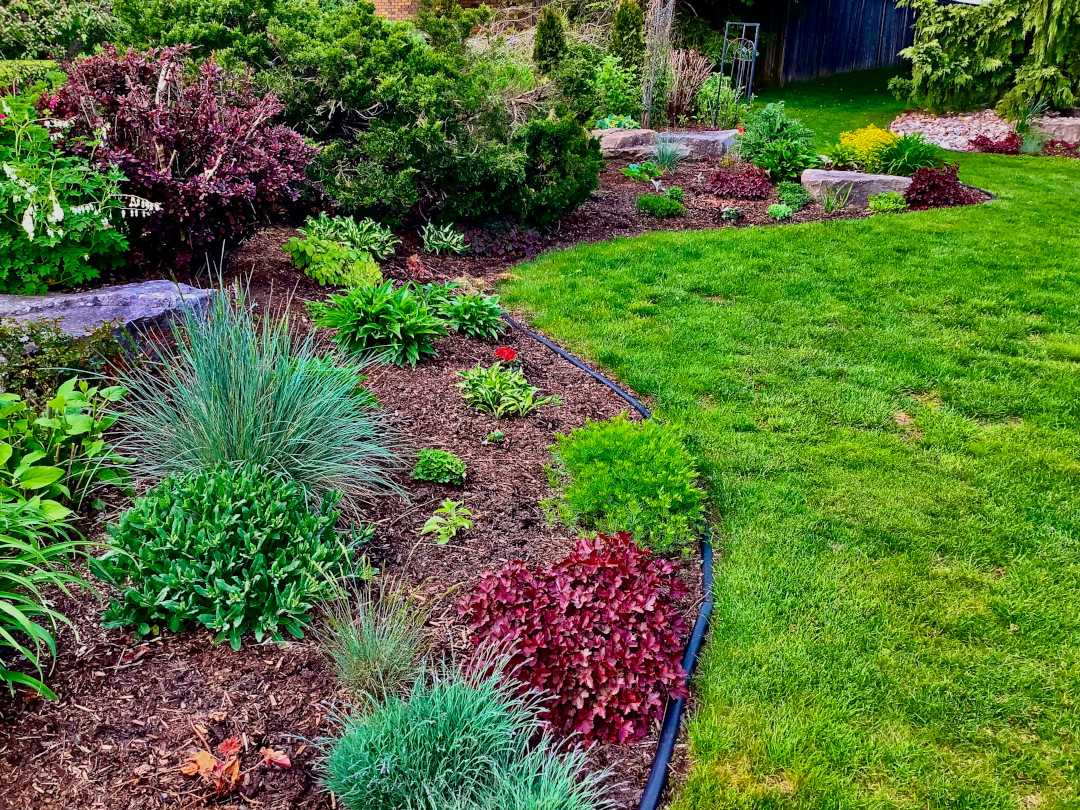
{"x": 669, "y": 729}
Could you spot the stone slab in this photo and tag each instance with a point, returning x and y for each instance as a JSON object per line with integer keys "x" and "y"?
{"x": 816, "y": 181}
{"x": 147, "y": 303}
{"x": 704, "y": 144}
{"x": 1059, "y": 128}
{"x": 629, "y": 144}
{"x": 640, "y": 144}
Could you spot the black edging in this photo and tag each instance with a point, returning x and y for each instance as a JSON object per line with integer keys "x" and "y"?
{"x": 669, "y": 730}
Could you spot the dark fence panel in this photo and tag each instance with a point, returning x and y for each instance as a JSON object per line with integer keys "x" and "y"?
{"x": 823, "y": 37}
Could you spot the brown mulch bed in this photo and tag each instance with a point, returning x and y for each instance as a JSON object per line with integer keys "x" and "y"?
{"x": 131, "y": 712}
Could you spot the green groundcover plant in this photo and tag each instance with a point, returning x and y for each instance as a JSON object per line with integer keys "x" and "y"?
{"x": 624, "y": 476}
{"x": 233, "y": 549}
{"x": 439, "y": 466}
{"x": 458, "y": 742}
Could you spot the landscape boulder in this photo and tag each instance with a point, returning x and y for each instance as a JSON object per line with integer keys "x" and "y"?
{"x": 1059, "y": 128}
{"x": 147, "y": 303}
{"x": 817, "y": 181}
{"x": 626, "y": 144}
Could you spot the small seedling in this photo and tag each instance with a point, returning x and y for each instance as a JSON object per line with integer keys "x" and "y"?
{"x": 495, "y": 437}
{"x": 835, "y": 198}
{"x": 731, "y": 214}
{"x": 448, "y": 520}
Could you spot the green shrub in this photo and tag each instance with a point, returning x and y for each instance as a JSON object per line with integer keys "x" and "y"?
{"x": 628, "y": 36}
{"x": 375, "y": 638}
{"x": 439, "y": 239}
{"x": 617, "y": 122}
{"x": 777, "y": 143}
{"x": 622, "y": 476}
{"x": 718, "y": 100}
{"x": 618, "y": 86}
{"x": 58, "y": 216}
{"x": 794, "y": 196}
{"x": 237, "y": 391}
{"x": 60, "y": 451}
{"x": 660, "y": 206}
{"x": 780, "y": 211}
{"x": 439, "y": 466}
{"x": 549, "y": 46}
{"x": 907, "y": 154}
{"x": 395, "y": 326}
{"x": 35, "y": 560}
{"x": 367, "y": 235}
{"x": 676, "y": 193}
{"x": 330, "y": 262}
{"x": 887, "y": 202}
{"x": 16, "y": 74}
{"x": 475, "y": 316}
{"x": 501, "y": 391}
{"x": 562, "y": 168}
{"x": 53, "y": 29}
{"x": 39, "y": 355}
{"x": 457, "y": 743}
{"x": 232, "y": 549}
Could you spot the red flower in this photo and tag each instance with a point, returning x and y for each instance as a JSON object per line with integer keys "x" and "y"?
{"x": 741, "y": 130}
{"x": 505, "y": 354}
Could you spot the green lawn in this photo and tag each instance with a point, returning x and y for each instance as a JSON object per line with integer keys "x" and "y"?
{"x": 886, "y": 414}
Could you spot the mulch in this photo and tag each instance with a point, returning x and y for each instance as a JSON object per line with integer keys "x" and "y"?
{"x": 130, "y": 713}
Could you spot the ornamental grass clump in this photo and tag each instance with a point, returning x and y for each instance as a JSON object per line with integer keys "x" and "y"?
{"x": 240, "y": 390}
{"x": 600, "y": 632}
{"x": 459, "y": 742}
{"x": 625, "y": 476}
{"x": 233, "y": 549}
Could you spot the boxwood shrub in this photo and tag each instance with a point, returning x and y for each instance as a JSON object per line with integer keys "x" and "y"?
{"x": 231, "y": 549}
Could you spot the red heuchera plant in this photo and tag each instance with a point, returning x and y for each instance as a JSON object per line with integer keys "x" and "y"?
{"x": 599, "y": 631}
{"x": 203, "y": 147}
{"x": 1062, "y": 149}
{"x": 744, "y": 181}
{"x": 938, "y": 188}
{"x": 1009, "y": 145}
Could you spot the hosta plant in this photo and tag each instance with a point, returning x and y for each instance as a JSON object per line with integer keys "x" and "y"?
{"x": 600, "y": 632}
{"x": 643, "y": 171}
{"x": 620, "y": 475}
{"x": 59, "y": 451}
{"x": 439, "y": 466}
{"x": 330, "y": 262}
{"x": 367, "y": 235}
{"x": 475, "y": 316}
{"x": 395, "y": 326}
{"x": 501, "y": 391}
{"x": 439, "y": 239}
{"x": 234, "y": 549}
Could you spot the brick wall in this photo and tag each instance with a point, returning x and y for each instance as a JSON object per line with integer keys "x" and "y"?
{"x": 397, "y": 9}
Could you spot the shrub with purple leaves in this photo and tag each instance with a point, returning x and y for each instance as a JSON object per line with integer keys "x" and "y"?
{"x": 199, "y": 142}
{"x": 938, "y": 188}
{"x": 1009, "y": 145}
{"x": 742, "y": 181}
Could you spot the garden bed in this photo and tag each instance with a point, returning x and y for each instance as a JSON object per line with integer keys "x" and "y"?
{"x": 130, "y": 713}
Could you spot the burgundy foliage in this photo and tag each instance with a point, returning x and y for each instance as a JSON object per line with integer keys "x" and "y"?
{"x": 506, "y": 240}
{"x": 1009, "y": 145}
{"x": 938, "y": 188}
{"x": 743, "y": 181}
{"x": 1061, "y": 149}
{"x": 202, "y": 146}
{"x": 599, "y": 631}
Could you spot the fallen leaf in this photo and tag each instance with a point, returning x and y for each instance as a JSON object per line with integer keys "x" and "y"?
{"x": 275, "y": 757}
{"x": 229, "y": 748}
{"x": 202, "y": 763}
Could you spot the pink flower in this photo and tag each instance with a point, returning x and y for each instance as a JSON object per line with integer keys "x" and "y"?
{"x": 505, "y": 354}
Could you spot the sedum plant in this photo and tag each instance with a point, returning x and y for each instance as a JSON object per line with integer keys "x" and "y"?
{"x": 475, "y": 316}
{"x": 439, "y": 239}
{"x": 779, "y": 211}
{"x": 440, "y": 467}
{"x": 450, "y": 518}
{"x": 625, "y": 476}
{"x": 394, "y": 326}
{"x": 600, "y": 632}
{"x": 501, "y": 391}
{"x": 794, "y": 195}
{"x": 233, "y": 549}
{"x": 887, "y": 202}
{"x": 459, "y": 742}
{"x": 237, "y": 390}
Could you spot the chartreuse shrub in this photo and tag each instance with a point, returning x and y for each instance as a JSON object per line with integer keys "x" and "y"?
{"x": 459, "y": 742}
{"x": 59, "y": 214}
{"x": 600, "y": 632}
{"x": 395, "y": 326}
{"x": 233, "y": 549}
{"x": 375, "y": 637}
{"x": 59, "y": 451}
{"x": 866, "y": 144}
{"x": 340, "y": 250}
{"x": 620, "y": 475}
{"x": 35, "y": 560}
{"x": 501, "y": 390}
{"x": 240, "y": 390}
{"x": 440, "y": 466}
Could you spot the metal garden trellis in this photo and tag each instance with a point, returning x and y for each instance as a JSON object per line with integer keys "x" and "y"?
{"x": 740, "y": 41}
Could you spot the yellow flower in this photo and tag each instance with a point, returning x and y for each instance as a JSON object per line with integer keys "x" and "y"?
{"x": 868, "y": 143}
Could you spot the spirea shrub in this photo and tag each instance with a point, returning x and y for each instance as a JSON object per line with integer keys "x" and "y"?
{"x": 742, "y": 181}
{"x": 197, "y": 142}
{"x": 600, "y": 632}
{"x": 938, "y": 188}
{"x": 232, "y": 549}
